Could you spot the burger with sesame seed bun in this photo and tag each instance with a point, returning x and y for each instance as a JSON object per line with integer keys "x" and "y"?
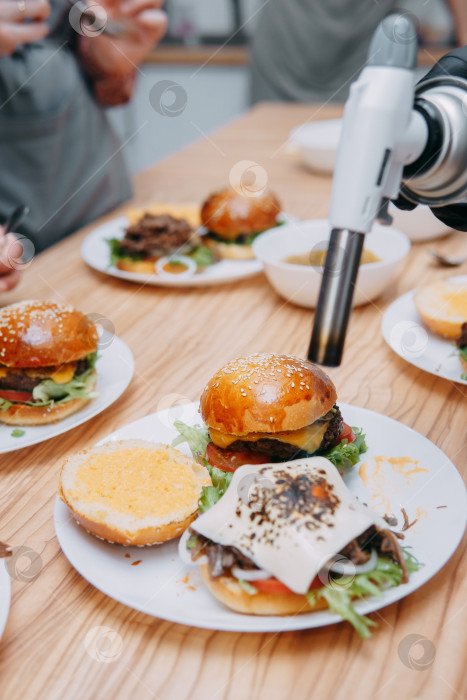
{"x": 48, "y": 352}
{"x": 272, "y": 408}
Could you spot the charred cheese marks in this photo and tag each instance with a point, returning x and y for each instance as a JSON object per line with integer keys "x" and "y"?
{"x": 308, "y": 438}
{"x": 289, "y": 518}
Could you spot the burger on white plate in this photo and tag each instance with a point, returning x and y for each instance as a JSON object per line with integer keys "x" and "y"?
{"x": 48, "y": 352}
{"x": 291, "y": 538}
{"x": 268, "y": 408}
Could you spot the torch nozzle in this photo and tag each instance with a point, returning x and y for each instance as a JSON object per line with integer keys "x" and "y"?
{"x": 335, "y": 298}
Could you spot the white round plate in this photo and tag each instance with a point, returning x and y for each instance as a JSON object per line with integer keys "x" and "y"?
{"x": 5, "y": 594}
{"x": 96, "y": 253}
{"x": 114, "y": 367}
{"x": 405, "y": 332}
{"x": 162, "y": 586}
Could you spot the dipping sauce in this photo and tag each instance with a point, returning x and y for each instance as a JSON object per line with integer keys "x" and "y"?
{"x": 316, "y": 258}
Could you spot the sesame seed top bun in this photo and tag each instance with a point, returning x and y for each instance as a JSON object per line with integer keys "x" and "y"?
{"x": 43, "y": 334}
{"x": 230, "y": 214}
{"x": 266, "y": 393}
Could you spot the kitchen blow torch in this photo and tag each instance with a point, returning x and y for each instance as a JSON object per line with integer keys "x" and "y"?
{"x": 397, "y": 139}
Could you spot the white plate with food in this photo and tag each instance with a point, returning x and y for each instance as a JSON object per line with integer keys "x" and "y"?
{"x": 5, "y": 594}
{"x": 413, "y": 340}
{"x": 114, "y": 366}
{"x": 400, "y": 470}
{"x": 166, "y": 245}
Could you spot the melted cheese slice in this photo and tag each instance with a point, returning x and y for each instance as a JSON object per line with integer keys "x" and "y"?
{"x": 61, "y": 376}
{"x": 308, "y": 438}
{"x": 289, "y": 518}
{"x": 64, "y": 374}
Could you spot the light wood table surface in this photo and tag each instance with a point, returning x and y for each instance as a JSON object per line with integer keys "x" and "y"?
{"x": 179, "y": 337}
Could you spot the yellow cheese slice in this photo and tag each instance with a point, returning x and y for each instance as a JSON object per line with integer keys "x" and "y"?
{"x": 308, "y": 438}
{"x": 64, "y": 374}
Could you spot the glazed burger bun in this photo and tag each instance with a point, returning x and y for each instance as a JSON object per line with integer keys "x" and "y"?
{"x": 21, "y": 414}
{"x": 44, "y": 333}
{"x": 266, "y": 393}
{"x": 133, "y": 492}
{"x": 230, "y": 214}
{"x": 227, "y": 591}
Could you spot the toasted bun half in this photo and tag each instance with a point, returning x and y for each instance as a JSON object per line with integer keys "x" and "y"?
{"x": 21, "y": 414}
{"x": 142, "y": 267}
{"x": 230, "y": 214}
{"x": 443, "y": 307}
{"x": 266, "y": 393}
{"x": 133, "y": 492}
{"x": 229, "y": 251}
{"x": 44, "y": 333}
{"x": 228, "y": 592}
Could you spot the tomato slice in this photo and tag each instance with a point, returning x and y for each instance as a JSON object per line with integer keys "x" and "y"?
{"x": 230, "y": 460}
{"x": 346, "y": 434}
{"x": 19, "y": 396}
{"x": 273, "y": 585}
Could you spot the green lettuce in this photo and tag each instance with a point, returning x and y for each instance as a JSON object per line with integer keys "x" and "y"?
{"x": 48, "y": 392}
{"x": 346, "y": 455}
{"x": 197, "y": 437}
{"x": 115, "y": 254}
{"x": 339, "y": 596}
{"x": 203, "y": 256}
{"x": 220, "y": 483}
{"x": 5, "y": 405}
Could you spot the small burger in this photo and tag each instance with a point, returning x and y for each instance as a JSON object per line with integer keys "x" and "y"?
{"x": 162, "y": 239}
{"x": 233, "y": 221}
{"x": 461, "y": 343}
{"x": 273, "y": 408}
{"x": 47, "y": 362}
{"x": 291, "y": 538}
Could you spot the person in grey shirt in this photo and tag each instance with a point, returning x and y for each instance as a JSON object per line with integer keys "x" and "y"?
{"x": 312, "y": 50}
{"x": 58, "y": 152}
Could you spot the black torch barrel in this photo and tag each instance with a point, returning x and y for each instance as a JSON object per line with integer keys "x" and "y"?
{"x": 335, "y": 297}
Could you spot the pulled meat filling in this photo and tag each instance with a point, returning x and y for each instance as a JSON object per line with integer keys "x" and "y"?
{"x": 221, "y": 559}
{"x": 280, "y": 451}
{"x": 158, "y": 235}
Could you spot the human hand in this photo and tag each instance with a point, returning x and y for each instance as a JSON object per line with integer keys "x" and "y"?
{"x": 145, "y": 24}
{"x": 11, "y": 251}
{"x": 14, "y": 31}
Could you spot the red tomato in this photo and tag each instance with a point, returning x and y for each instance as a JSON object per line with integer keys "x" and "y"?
{"x": 346, "y": 434}
{"x": 273, "y": 585}
{"x": 11, "y": 395}
{"x": 230, "y": 460}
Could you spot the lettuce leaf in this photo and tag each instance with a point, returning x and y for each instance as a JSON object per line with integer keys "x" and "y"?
{"x": 346, "y": 455}
{"x": 339, "y": 596}
{"x": 48, "y": 392}
{"x": 220, "y": 483}
{"x": 197, "y": 438}
{"x": 5, "y": 405}
{"x": 115, "y": 254}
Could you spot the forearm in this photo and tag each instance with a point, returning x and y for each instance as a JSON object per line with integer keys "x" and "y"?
{"x": 459, "y": 12}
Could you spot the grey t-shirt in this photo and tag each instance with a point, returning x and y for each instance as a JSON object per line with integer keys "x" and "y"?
{"x": 58, "y": 152}
{"x": 312, "y": 50}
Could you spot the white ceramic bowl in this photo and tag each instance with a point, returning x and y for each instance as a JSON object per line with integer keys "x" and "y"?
{"x": 300, "y": 284}
{"x": 420, "y": 224}
{"x": 317, "y": 143}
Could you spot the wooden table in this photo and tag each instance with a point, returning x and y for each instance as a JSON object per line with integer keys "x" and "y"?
{"x": 178, "y": 339}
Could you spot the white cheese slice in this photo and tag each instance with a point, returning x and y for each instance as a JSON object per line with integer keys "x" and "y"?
{"x": 289, "y": 518}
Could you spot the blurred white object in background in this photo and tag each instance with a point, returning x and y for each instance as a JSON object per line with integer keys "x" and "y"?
{"x": 317, "y": 143}
{"x": 300, "y": 284}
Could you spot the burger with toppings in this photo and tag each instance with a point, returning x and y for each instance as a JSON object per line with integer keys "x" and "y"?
{"x": 233, "y": 221}
{"x": 161, "y": 239}
{"x": 48, "y": 352}
{"x": 268, "y": 408}
{"x": 291, "y": 538}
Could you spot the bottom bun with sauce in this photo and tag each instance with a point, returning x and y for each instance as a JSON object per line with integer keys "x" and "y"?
{"x": 291, "y": 538}
{"x": 133, "y": 492}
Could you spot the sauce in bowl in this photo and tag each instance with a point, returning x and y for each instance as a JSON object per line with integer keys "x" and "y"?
{"x": 316, "y": 258}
